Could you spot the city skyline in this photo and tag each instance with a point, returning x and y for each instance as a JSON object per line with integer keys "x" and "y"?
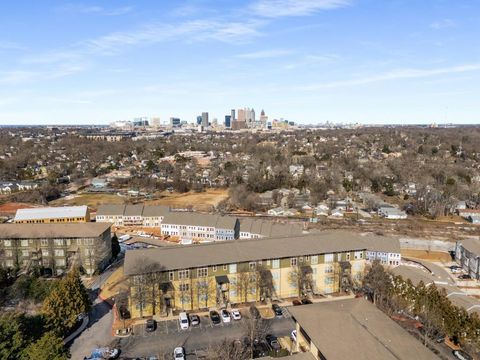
{"x": 342, "y": 61}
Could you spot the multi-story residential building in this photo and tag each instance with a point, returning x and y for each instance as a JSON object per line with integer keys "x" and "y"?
{"x": 353, "y": 329}
{"x": 385, "y": 249}
{"x": 194, "y": 227}
{"x": 132, "y": 215}
{"x": 215, "y": 274}
{"x": 467, "y": 254}
{"x": 52, "y": 215}
{"x": 56, "y": 247}
{"x": 258, "y": 228}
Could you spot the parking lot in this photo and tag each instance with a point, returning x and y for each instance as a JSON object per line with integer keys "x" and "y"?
{"x": 195, "y": 340}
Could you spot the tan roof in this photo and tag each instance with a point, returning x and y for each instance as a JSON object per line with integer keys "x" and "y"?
{"x": 383, "y": 244}
{"x": 155, "y": 210}
{"x": 269, "y": 228}
{"x": 196, "y": 219}
{"x": 471, "y": 245}
{"x": 39, "y": 231}
{"x": 356, "y": 329}
{"x": 106, "y": 210}
{"x": 133, "y": 210}
{"x": 234, "y": 251}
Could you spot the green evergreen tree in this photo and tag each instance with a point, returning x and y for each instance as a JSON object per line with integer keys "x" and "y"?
{"x": 48, "y": 347}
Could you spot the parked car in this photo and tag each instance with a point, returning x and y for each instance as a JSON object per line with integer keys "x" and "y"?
{"x": 465, "y": 277}
{"x": 215, "y": 318}
{"x": 183, "y": 320}
{"x": 455, "y": 268}
{"x": 194, "y": 319}
{"x": 150, "y": 325}
{"x": 272, "y": 341}
{"x": 296, "y": 302}
{"x": 260, "y": 350}
{"x": 179, "y": 353}
{"x": 277, "y": 310}
{"x": 225, "y": 316}
{"x": 461, "y": 355}
{"x": 254, "y": 313}
{"x": 306, "y": 301}
{"x": 236, "y": 315}
{"x": 104, "y": 353}
{"x": 293, "y": 335}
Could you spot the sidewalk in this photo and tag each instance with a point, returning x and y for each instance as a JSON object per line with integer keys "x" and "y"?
{"x": 77, "y": 332}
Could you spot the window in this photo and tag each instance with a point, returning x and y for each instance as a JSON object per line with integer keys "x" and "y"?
{"x": 25, "y": 253}
{"x": 268, "y": 262}
{"x": 314, "y": 260}
{"x": 183, "y": 274}
{"x": 202, "y": 272}
{"x": 233, "y": 268}
{"x": 24, "y": 243}
{"x": 183, "y": 287}
{"x": 214, "y": 268}
{"x": 300, "y": 259}
{"x": 44, "y": 242}
{"x": 225, "y": 267}
{"x": 60, "y": 262}
{"x": 339, "y": 257}
{"x": 7, "y": 242}
{"x": 45, "y": 253}
{"x": 328, "y": 269}
{"x": 348, "y": 256}
{"x": 329, "y": 281}
{"x": 171, "y": 276}
{"x": 59, "y": 252}
{"x": 328, "y": 258}
{"x": 252, "y": 266}
{"x": 275, "y": 263}
{"x": 293, "y": 261}
{"x": 358, "y": 255}
{"x": 307, "y": 258}
{"x": 259, "y": 262}
{"x": 58, "y": 242}
{"x": 8, "y": 253}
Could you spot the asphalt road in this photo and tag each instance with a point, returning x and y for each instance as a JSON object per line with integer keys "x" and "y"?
{"x": 168, "y": 335}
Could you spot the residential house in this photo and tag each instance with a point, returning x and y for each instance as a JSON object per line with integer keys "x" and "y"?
{"x": 384, "y": 249}
{"x": 56, "y": 247}
{"x": 467, "y": 255}
{"x": 251, "y": 228}
{"x": 391, "y": 213}
{"x": 132, "y": 215}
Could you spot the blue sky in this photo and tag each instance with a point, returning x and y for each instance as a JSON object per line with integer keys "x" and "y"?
{"x": 368, "y": 61}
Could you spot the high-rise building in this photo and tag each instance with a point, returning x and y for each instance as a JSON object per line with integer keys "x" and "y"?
{"x": 199, "y": 120}
{"x": 155, "y": 122}
{"x": 232, "y": 115}
{"x": 252, "y": 116}
{"x": 228, "y": 121}
{"x": 241, "y": 115}
{"x": 174, "y": 122}
{"x": 205, "y": 119}
{"x": 140, "y": 122}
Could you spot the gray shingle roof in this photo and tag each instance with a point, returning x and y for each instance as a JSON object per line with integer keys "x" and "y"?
{"x": 356, "y": 329}
{"x": 233, "y": 251}
{"x": 38, "y": 231}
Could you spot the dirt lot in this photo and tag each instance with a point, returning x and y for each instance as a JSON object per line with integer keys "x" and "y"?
{"x": 91, "y": 200}
{"x": 11, "y": 208}
{"x": 203, "y": 201}
{"x": 426, "y": 255}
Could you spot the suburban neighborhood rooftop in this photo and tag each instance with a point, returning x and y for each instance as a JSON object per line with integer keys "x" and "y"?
{"x": 50, "y": 212}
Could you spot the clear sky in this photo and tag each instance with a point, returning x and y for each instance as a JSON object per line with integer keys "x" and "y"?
{"x": 311, "y": 61}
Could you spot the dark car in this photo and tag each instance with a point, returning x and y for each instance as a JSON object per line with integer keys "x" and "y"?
{"x": 194, "y": 319}
{"x": 260, "y": 350}
{"x": 464, "y": 277}
{"x": 254, "y": 313}
{"x": 296, "y": 302}
{"x": 272, "y": 341}
{"x": 462, "y": 355}
{"x": 277, "y": 310}
{"x": 150, "y": 325}
{"x": 306, "y": 301}
{"x": 215, "y": 317}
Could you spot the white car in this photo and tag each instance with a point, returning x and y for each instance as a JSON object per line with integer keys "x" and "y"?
{"x": 225, "y": 316}
{"x": 183, "y": 320}
{"x": 179, "y": 353}
{"x": 236, "y": 315}
{"x": 293, "y": 335}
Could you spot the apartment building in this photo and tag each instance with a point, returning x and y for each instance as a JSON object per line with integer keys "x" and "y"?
{"x": 132, "y": 215}
{"x": 47, "y": 215}
{"x": 467, "y": 255}
{"x": 215, "y": 274}
{"x": 56, "y": 247}
{"x": 258, "y": 228}
{"x": 353, "y": 329}
{"x": 194, "y": 227}
{"x": 384, "y": 249}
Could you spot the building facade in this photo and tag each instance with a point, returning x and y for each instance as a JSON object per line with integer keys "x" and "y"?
{"x": 49, "y": 215}
{"x": 195, "y": 277}
{"x": 467, "y": 255}
{"x": 56, "y": 247}
{"x": 132, "y": 215}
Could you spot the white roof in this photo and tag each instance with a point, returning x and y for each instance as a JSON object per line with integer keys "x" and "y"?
{"x": 50, "y": 213}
